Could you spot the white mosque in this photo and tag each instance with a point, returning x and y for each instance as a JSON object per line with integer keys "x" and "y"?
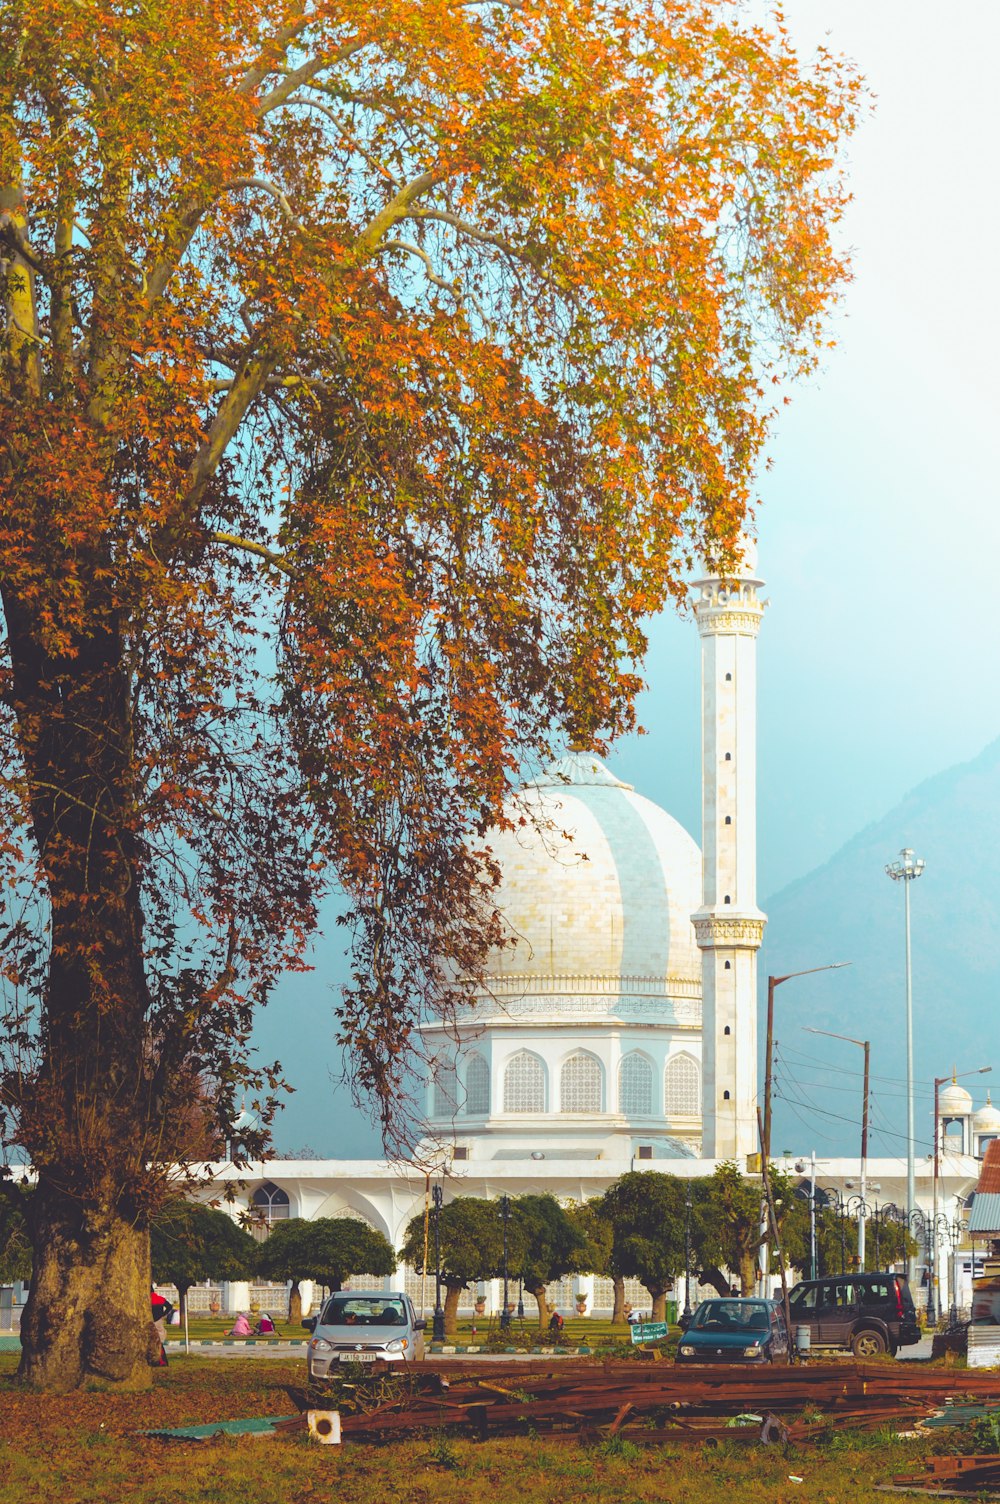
{"x": 620, "y": 1023}
{"x": 618, "y": 1030}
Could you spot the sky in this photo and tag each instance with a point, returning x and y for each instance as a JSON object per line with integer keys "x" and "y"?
{"x": 878, "y": 524}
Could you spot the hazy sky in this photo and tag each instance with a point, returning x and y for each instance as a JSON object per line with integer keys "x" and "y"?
{"x": 878, "y": 523}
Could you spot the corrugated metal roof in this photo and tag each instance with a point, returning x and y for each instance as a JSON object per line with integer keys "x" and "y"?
{"x": 989, "y": 1175}
{"x": 984, "y": 1215}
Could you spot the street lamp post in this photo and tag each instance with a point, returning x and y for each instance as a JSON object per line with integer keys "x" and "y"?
{"x": 862, "y": 1044}
{"x": 687, "y": 1256}
{"x": 437, "y": 1196}
{"x": 905, "y": 870}
{"x": 933, "y": 1290}
{"x": 505, "y": 1309}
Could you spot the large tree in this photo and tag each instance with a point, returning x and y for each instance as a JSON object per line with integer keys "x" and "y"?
{"x": 367, "y": 375}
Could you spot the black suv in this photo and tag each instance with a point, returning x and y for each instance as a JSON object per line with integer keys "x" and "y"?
{"x": 869, "y": 1313}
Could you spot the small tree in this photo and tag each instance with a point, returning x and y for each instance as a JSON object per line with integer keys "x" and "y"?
{"x": 327, "y": 1249}
{"x": 471, "y": 1239}
{"x": 190, "y": 1241}
{"x": 15, "y": 1245}
{"x": 592, "y": 1220}
{"x": 646, "y": 1211}
{"x": 726, "y": 1227}
{"x": 553, "y": 1244}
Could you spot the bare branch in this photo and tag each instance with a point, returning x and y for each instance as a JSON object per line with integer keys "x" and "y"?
{"x": 247, "y": 546}
{"x": 353, "y": 143}
{"x": 303, "y": 74}
{"x": 432, "y": 276}
{"x": 266, "y": 186}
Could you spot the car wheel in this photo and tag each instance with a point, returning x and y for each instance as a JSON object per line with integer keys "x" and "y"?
{"x": 868, "y": 1344}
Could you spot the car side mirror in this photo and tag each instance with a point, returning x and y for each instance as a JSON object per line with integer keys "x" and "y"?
{"x": 420, "y": 1326}
{"x": 310, "y": 1323}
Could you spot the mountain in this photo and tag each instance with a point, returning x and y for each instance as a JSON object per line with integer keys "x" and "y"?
{"x": 849, "y": 910}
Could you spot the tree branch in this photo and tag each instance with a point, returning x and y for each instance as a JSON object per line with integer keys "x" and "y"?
{"x": 397, "y": 209}
{"x": 432, "y": 276}
{"x": 230, "y": 540}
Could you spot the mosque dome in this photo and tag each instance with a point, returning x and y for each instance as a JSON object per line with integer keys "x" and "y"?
{"x": 597, "y": 882}
{"x": 954, "y": 1101}
{"x": 987, "y": 1119}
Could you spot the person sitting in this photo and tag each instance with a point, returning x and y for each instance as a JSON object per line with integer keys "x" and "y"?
{"x": 265, "y": 1326}
{"x": 240, "y": 1328}
{"x": 556, "y": 1324}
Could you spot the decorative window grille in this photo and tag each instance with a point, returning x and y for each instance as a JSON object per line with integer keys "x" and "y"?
{"x": 524, "y": 1083}
{"x": 477, "y": 1086}
{"x": 445, "y": 1089}
{"x": 682, "y": 1087}
{"x": 635, "y": 1086}
{"x": 268, "y": 1204}
{"x": 580, "y": 1083}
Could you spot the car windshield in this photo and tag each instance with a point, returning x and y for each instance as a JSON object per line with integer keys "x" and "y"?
{"x": 732, "y": 1316}
{"x": 347, "y": 1310}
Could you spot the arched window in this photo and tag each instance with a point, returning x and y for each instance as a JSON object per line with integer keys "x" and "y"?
{"x": 524, "y": 1083}
{"x": 580, "y": 1083}
{"x": 445, "y": 1089}
{"x": 682, "y": 1088}
{"x": 268, "y": 1204}
{"x": 477, "y": 1086}
{"x": 635, "y": 1086}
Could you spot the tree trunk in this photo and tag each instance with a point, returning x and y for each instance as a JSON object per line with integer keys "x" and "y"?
{"x": 618, "y": 1308}
{"x": 748, "y": 1271}
{"x": 92, "y": 1117}
{"x": 544, "y": 1310}
{"x": 658, "y": 1298}
{"x": 714, "y": 1276}
{"x": 88, "y": 1317}
{"x": 451, "y": 1297}
{"x": 295, "y": 1304}
{"x": 182, "y": 1297}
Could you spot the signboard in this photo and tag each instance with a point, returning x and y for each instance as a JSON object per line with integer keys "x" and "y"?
{"x": 649, "y": 1331}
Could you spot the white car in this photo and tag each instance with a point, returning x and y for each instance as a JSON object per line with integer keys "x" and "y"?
{"x": 364, "y": 1326}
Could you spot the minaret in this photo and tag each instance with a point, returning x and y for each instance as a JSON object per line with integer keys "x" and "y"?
{"x": 729, "y": 926}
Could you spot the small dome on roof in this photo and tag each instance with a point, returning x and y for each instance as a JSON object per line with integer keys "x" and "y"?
{"x": 954, "y": 1101}
{"x": 987, "y": 1119}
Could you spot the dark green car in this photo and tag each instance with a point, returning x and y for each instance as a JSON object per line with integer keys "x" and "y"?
{"x": 735, "y": 1331}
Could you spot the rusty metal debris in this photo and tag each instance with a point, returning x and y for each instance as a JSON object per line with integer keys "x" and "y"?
{"x": 654, "y": 1403}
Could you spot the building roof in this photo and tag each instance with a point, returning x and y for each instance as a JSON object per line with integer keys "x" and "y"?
{"x": 596, "y": 882}
{"x": 984, "y": 1215}
{"x": 989, "y": 1175}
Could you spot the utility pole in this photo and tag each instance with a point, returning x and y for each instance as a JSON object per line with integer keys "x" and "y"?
{"x": 772, "y": 984}
{"x": 863, "y": 1044}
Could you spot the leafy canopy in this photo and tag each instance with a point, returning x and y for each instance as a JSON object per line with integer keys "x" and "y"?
{"x": 470, "y": 1233}
{"x": 327, "y": 1249}
{"x": 368, "y": 375}
{"x": 190, "y": 1242}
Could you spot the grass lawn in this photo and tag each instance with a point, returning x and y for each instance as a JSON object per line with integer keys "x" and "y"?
{"x": 84, "y": 1450}
{"x": 578, "y": 1330}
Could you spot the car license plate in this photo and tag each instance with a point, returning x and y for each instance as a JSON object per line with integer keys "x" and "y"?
{"x": 358, "y": 1357}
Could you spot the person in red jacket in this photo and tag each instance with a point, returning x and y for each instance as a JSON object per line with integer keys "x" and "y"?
{"x": 161, "y": 1311}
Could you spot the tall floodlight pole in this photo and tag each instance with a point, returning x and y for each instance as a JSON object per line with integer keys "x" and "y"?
{"x": 862, "y": 1044}
{"x": 904, "y": 871}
